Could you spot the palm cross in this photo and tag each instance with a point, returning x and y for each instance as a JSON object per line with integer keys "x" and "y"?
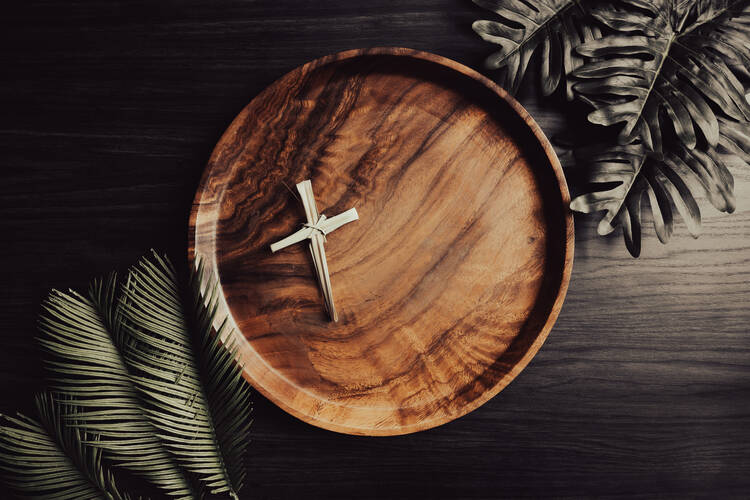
{"x": 315, "y": 230}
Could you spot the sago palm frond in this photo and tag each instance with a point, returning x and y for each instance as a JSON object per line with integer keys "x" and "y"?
{"x": 48, "y": 459}
{"x": 197, "y": 398}
{"x": 668, "y": 68}
{"x": 85, "y": 343}
{"x": 556, "y": 27}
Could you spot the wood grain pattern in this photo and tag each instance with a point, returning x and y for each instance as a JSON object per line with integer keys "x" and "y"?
{"x": 110, "y": 111}
{"x": 446, "y": 286}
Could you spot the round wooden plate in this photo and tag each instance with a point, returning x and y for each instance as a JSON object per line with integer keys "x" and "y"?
{"x": 447, "y": 285}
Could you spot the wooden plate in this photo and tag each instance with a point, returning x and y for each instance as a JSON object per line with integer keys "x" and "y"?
{"x": 447, "y": 285}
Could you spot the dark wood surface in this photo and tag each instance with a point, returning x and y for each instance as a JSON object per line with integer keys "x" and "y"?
{"x": 446, "y": 287}
{"x": 108, "y": 113}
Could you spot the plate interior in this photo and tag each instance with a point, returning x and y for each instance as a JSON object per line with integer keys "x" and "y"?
{"x": 447, "y": 284}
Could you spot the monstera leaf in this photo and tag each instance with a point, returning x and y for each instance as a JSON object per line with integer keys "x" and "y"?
{"x": 623, "y": 176}
{"x": 668, "y": 67}
{"x": 48, "y": 458}
{"x": 523, "y": 26}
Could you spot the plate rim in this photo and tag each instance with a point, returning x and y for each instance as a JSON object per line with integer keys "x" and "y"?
{"x": 556, "y": 306}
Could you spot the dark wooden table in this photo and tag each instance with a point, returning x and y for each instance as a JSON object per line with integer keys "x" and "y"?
{"x": 108, "y": 112}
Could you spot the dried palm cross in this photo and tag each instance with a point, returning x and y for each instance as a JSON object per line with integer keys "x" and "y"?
{"x": 315, "y": 230}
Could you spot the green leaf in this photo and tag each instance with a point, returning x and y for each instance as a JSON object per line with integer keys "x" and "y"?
{"x": 197, "y": 398}
{"x": 622, "y": 176}
{"x": 49, "y": 460}
{"x": 522, "y": 27}
{"x": 667, "y": 68}
{"x": 85, "y": 342}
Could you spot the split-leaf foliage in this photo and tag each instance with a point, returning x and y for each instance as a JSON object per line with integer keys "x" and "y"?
{"x": 625, "y": 177}
{"x": 670, "y": 77}
{"x": 143, "y": 376}
{"x": 520, "y": 28}
{"x": 666, "y": 68}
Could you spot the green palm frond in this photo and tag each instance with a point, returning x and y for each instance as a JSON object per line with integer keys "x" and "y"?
{"x": 668, "y": 68}
{"x": 49, "y": 459}
{"x": 197, "y": 397}
{"x": 623, "y": 176}
{"x": 85, "y": 343}
{"x": 522, "y": 27}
